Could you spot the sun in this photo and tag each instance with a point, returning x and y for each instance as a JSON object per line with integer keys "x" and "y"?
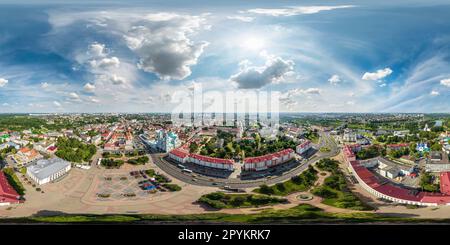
{"x": 252, "y": 43}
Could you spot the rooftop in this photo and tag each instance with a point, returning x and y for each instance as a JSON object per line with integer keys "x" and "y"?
{"x": 46, "y": 167}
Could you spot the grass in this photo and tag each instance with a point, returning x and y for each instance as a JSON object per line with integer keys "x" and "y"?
{"x": 14, "y": 181}
{"x": 172, "y": 187}
{"x": 334, "y": 190}
{"x": 303, "y": 213}
{"x": 302, "y": 182}
{"x": 221, "y": 200}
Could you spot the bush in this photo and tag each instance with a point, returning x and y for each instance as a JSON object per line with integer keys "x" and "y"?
{"x": 172, "y": 187}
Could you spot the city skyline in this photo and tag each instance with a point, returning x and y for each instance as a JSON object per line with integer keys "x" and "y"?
{"x": 345, "y": 56}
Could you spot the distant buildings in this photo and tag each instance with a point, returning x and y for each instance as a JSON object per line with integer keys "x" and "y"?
{"x": 45, "y": 171}
{"x": 7, "y": 193}
{"x": 437, "y": 162}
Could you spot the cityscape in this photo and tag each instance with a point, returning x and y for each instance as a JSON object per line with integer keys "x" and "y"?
{"x": 236, "y": 112}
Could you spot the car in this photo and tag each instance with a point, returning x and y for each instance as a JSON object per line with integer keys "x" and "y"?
{"x": 214, "y": 183}
{"x": 194, "y": 179}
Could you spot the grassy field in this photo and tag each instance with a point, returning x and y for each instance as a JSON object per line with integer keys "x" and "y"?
{"x": 221, "y": 200}
{"x": 303, "y": 213}
{"x": 302, "y": 182}
{"x": 334, "y": 190}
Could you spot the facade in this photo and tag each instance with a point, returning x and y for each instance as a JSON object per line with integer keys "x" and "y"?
{"x": 267, "y": 161}
{"x": 26, "y": 156}
{"x": 385, "y": 190}
{"x": 166, "y": 141}
{"x": 182, "y": 155}
{"x": 45, "y": 171}
{"x": 7, "y": 193}
{"x": 303, "y": 147}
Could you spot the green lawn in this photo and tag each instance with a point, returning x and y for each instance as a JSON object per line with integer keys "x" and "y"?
{"x": 303, "y": 213}
{"x": 221, "y": 200}
{"x": 334, "y": 190}
{"x": 302, "y": 182}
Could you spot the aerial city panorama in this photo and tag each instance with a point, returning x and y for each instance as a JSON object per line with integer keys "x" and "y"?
{"x": 243, "y": 112}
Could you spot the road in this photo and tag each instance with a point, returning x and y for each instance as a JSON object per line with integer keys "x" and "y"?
{"x": 202, "y": 180}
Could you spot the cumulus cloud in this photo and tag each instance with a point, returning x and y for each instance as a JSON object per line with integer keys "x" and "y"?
{"x": 379, "y": 74}
{"x": 163, "y": 43}
{"x": 274, "y": 70}
{"x": 241, "y": 18}
{"x": 434, "y": 93}
{"x": 89, "y": 87}
{"x": 97, "y": 50}
{"x": 94, "y": 100}
{"x": 57, "y": 104}
{"x": 45, "y": 85}
{"x": 117, "y": 80}
{"x": 105, "y": 62}
{"x": 294, "y": 10}
{"x": 288, "y": 98}
{"x": 334, "y": 80}
{"x": 74, "y": 96}
{"x": 446, "y": 82}
{"x": 3, "y": 82}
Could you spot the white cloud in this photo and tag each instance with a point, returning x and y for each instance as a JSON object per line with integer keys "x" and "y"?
{"x": 434, "y": 93}
{"x": 446, "y": 82}
{"x": 295, "y": 10}
{"x": 97, "y": 50}
{"x": 334, "y": 80}
{"x": 382, "y": 85}
{"x": 274, "y": 70}
{"x": 3, "y": 82}
{"x": 94, "y": 100}
{"x": 351, "y": 102}
{"x": 241, "y": 18}
{"x": 89, "y": 87}
{"x": 45, "y": 85}
{"x": 74, "y": 96}
{"x": 379, "y": 74}
{"x": 105, "y": 62}
{"x": 117, "y": 79}
{"x": 162, "y": 41}
{"x": 56, "y": 103}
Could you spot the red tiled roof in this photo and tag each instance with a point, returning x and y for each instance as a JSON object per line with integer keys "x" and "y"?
{"x": 398, "y": 145}
{"x": 268, "y": 156}
{"x": 304, "y": 144}
{"x": 212, "y": 159}
{"x": 445, "y": 182}
{"x": 179, "y": 153}
{"x": 402, "y": 193}
{"x": 7, "y": 192}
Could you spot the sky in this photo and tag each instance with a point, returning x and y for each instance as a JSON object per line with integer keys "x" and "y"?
{"x": 147, "y": 56}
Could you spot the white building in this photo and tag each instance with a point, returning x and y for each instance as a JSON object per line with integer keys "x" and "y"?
{"x": 47, "y": 170}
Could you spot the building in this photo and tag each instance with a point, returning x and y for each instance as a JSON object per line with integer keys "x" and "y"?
{"x": 45, "y": 171}
{"x": 7, "y": 193}
{"x": 303, "y": 147}
{"x": 437, "y": 162}
{"x": 268, "y": 161}
{"x": 385, "y": 190}
{"x": 26, "y": 156}
{"x": 166, "y": 141}
{"x": 397, "y": 147}
{"x": 182, "y": 155}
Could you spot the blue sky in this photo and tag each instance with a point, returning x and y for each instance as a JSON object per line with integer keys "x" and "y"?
{"x": 322, "y": 56}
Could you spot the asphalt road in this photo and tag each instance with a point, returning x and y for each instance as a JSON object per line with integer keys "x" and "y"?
{"x": 196, "y": 179}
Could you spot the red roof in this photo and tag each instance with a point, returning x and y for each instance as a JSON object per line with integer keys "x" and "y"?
{"x": 304, "y": 144}
{"x": 212, "y": 159}
{"x": 402, "y": 193}
{"x": 179, "y": 153}
{"x": 445, "y": 182}
{"x": 398, "y": 145}
{"x": 268, "y": 156}
{"x": 7, "y": 192}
